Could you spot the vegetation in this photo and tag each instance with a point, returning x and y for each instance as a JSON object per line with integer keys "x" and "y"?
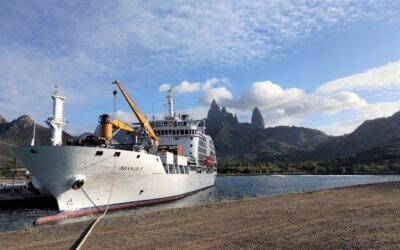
{"x": 7, "y": 166}
{"x": 344, "y": 166}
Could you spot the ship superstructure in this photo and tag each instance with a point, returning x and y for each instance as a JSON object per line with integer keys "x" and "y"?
{"x": 189, "y": 134}
{"x": 167, "y": 159}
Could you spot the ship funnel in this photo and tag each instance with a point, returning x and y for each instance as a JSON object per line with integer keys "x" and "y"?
{"x": 57, "y": 121}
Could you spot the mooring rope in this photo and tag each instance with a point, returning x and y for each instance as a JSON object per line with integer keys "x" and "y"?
{"x": 87, "y": 196}
{"x": 105, "y": 211}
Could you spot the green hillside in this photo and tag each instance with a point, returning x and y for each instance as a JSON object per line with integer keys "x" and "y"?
{"x": 250, "y": 142}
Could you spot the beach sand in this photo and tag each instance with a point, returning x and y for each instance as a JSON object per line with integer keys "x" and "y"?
{"x": 366, "y": 216}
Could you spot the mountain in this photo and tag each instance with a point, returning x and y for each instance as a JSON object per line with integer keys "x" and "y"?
{"x": 370, "y": 134}
{"x": 217, "y": 118}
{"x": 252, "y": 142}
{"x": 19, "y": 132}
{"x": 257, "y": 120}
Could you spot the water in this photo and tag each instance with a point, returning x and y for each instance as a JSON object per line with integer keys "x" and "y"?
{"x": 226, "y": 187}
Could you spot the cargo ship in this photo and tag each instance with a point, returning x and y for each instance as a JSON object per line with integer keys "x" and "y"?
{"x": 165, "y": 160}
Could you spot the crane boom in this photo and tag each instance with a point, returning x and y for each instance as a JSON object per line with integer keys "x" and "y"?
{"x": 142, "y": 119}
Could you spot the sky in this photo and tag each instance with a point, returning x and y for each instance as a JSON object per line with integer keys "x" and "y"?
{"x": 328, "y": 65}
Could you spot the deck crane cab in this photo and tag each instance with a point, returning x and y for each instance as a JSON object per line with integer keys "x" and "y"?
{"x": 107, "y": 125}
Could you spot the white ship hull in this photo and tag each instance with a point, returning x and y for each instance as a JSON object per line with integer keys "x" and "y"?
{"x": 132, "y": 177}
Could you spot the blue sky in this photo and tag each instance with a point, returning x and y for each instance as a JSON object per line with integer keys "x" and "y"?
{"x": 328, "y": 65}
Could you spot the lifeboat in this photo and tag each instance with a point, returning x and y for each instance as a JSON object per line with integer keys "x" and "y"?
{"x": 209, "y": 161}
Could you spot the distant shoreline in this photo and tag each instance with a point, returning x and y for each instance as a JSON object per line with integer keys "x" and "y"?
{"x": 264, "y": 174}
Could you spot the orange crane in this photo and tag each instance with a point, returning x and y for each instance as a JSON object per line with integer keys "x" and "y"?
{"x": 155, "y": 141}
{"x": 108, "y": 123}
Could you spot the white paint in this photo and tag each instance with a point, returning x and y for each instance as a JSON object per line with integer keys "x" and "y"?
{"x": 135, "y": 178}
{"x": 57, "y": 122}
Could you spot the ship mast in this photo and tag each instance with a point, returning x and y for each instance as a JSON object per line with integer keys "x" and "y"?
{"x": 57, "y": 121}
{"x": 170, "y": 99}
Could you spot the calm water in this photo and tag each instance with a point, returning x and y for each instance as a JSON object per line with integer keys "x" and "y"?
{"x": 229, "y": 187}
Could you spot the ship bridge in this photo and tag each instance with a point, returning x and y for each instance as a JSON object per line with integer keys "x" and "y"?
{"x": 186, "y": 132}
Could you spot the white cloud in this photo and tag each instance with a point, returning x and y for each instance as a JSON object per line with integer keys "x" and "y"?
{"x": 281, "y": 106}
{"x": 209, "y": 83}
{"x": 384, "y": 77}
{"x": 164, "y": 87}
{"x": 270, "y": 97}
{"x": 368, "y": 112}
{"x": 287, "y": 106}
{"x": 194, "y": 32}
{"x": 187, "y": 87}
{"x": 221, "y": 95}
{"x": 28, "y": 79}
{"x": 267, "y": 95}
{"x": 182, "y": 88}
{"x": 79, "y": 45}
{"x": 191, "y": 87}
{"x": 127, "y": 117}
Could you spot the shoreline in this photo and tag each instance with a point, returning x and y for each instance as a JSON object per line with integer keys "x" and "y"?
{"x": 363, "y": 216}
{"x": 300, "y": 174}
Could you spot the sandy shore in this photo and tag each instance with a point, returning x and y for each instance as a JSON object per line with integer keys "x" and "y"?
{"x": 353, "y": 217}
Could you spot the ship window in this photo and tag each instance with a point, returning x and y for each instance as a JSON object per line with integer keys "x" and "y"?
{"x": 173, "y": 132}
{"x": 171, "y": 169}
{"x": 191, "y": 138}
{"x": 176, "y": 138}
{"x": 191, "y": 145}
{"x": 33, "y": 151}
{"x": 186, "y": 132}
{"x": 182, "y": 132}
{"x": 170, "y": 132}
{"x": 98, "y": 153}
{"x": 184, "y": 123}
{"x": 117, "y": 154}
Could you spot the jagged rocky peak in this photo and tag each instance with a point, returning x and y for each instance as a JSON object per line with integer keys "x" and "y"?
{"x": 257, "y": 119}
{"x": 22, "y": 122}
{"x": 228, "y": 117}
{"x": 2, "y": 120}
{"x": 214, "y": 109}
